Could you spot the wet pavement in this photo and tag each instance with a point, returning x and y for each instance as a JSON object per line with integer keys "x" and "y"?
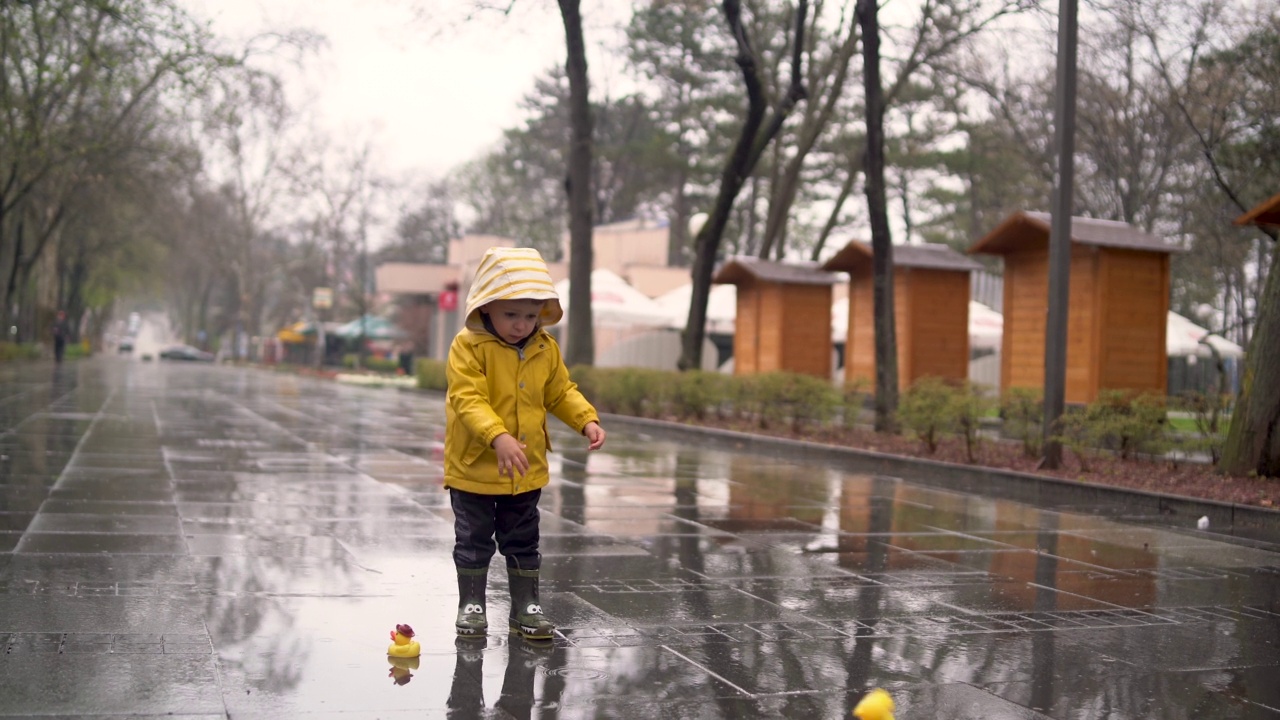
{"x": 209, "y": 542}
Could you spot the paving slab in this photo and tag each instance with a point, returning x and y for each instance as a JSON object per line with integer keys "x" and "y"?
{"x": 188, "y": 540}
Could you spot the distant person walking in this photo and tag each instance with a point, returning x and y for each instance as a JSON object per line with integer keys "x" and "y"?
{"x": 60, "y": 332}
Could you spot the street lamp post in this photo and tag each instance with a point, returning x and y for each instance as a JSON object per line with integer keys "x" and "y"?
{"x": 1055, "y": 342}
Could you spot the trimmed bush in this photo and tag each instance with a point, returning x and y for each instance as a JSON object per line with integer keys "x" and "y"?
{"x": 968, "y": 406}
{"x": 1117, "y": 420}
{"x": 925, "y": 410}
{"x": 853, "y": 398}
{"x": 697, "y": 393}
{"x": 1022, "y": 412}
{"x": 12, "y": 352}
{"x": 431, "y": 374}
{"x": 1209, "y": 412}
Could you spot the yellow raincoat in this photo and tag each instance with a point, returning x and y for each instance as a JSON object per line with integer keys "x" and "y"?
{"x": 495, "y": 387}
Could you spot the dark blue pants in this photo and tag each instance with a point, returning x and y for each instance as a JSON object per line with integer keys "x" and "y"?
{"x": 512, "y": 519}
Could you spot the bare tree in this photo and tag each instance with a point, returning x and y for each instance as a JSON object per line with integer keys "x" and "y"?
{"x": 886, "y": 343}
{"x": 754, "y": 138}
{"x": 826, "y": 84}
{"x": 82, "y": 84}
{"x": 580, "y": 348}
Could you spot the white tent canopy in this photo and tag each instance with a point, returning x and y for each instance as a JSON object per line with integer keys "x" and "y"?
{"x": 986, "y": 327}
{"x": 722, "y": 307}
{"x": 1183, "y": 339}
{"x": 616, "y": 302}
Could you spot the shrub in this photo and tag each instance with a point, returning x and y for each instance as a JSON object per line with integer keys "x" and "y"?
{"x": 810, "y": 400}
{"x": 853, "y": 397}
{"x": 431, "y": 374}
{"x": 588, "y": 381}
{"x": 744, "y": 398}
{"x": 618, "y": 390}
{"x": 11, "y": 352}
{"x": 926, "y": 410}
{"x": 776, "y": 398}
{"x": 1131, "y": 423}
{"x": 695, "y": 393}
{"x": 381, "y": 365}
{"x": 770, "y": 399}
{"x": 657, "y": 390}
{"x": 1022, "y": 411}
{"x": 1209, "y": 413}
{"x": 968, "y": 406}
{"x": 1076, "y": 430}
{"x": 77, "y": 351}
{"x": 1117, "y": 420}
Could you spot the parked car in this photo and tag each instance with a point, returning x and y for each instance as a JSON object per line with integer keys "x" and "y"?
{"x": 185, "y": 352}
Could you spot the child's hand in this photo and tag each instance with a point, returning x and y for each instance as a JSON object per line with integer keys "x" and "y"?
{"x": 595, "y": 434}
{"x": 511, "y": 458}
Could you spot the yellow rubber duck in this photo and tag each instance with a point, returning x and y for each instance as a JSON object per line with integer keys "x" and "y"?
{"x": 402, "y": 643}
{"x": 401, "y": 669}
{"x": 875, "y": 705}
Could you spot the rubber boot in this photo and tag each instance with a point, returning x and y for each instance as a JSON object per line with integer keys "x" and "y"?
{"x": 524, "y": 661}
{"x": 472, "y": 619}
{"x": 526, "y": 609}
{"x": 466, "y": 695}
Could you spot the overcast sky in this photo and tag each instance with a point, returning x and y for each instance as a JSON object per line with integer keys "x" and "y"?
{"x": 430, "y": 90}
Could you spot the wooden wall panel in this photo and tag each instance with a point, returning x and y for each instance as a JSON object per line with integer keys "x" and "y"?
{"x": 860, "y": 351}
{"x": 1133, "y": 344}
{"x": 746, "y": 331}
{"x": 939, "y": 324}
{"x": 806, "y": 329}
{"x": 771, "y": 311}
{"x": 903, "y": 294}
{"x": 1116, "y": 320}
{"x": 919, "y": 320}
{"x": 1026, "y": 293}
{"x": 1082, "y": 299}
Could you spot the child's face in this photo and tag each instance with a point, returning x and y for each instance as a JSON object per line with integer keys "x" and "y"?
{"x": 514, "y": 319}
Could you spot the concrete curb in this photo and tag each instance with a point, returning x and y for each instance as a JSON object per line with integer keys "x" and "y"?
{"x": 1247, "y": 522}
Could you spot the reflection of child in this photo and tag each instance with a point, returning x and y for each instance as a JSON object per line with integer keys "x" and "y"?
{"x": 504, "y": 373}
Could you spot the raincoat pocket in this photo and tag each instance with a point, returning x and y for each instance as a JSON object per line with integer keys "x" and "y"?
{"x": 474, "y": 450}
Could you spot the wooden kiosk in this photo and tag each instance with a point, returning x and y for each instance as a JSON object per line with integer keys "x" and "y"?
{"x": 931, "y": 311}
{"x": 784, "y": 316}
{"x": 1117, "y": 309}
{"x": 1265, "y": 213}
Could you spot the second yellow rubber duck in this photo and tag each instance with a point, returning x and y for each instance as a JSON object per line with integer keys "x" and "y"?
{"x": 402, "y": 642}
{"x": 875, "y": 705}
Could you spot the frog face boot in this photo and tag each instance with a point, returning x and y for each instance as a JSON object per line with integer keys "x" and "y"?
{"x": 527, "y": 619}
{"x": 472, "y": 620}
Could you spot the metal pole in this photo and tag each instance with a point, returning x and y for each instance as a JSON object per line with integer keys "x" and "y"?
{"x": 1055, "y": 337}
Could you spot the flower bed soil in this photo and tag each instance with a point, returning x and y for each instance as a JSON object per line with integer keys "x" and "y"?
{"x": 1188, "y": 479}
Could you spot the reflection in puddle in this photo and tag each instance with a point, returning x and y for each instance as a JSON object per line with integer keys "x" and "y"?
{"x": 293, "y": 519}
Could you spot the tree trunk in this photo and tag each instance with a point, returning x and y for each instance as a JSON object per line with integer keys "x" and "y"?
{"x": 846, "y": 189}
{"x": 678, "y": 233}
{"x": 886, "y": 343}
{"x": 580, "y": 346}
{"x": 752, "y": 141}
{"x": 1253, "y": 440}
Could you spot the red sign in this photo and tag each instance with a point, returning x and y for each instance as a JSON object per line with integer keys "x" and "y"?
{"x": 448, "y": 300}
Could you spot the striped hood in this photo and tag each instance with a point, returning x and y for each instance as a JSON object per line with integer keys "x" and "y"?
{"x": 512, "y": 274}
